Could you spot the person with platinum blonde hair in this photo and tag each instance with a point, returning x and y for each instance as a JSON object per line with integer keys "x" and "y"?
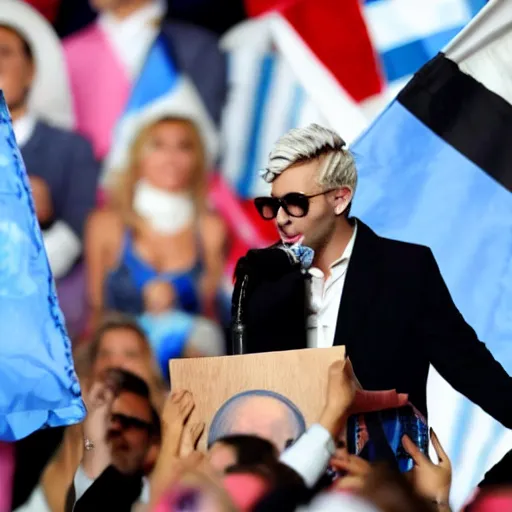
{"x": 332, "y": 281}
{"x": 313, "y": 177}
{"x": 301, "y": 145}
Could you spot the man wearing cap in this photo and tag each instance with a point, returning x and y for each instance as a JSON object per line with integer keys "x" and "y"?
{"x": 60, "y": 164}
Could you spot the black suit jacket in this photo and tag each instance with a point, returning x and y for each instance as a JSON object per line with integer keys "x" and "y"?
{"x": 396, "y": 317}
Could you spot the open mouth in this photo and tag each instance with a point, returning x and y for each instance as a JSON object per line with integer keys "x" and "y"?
{"x": 291, "y": 239}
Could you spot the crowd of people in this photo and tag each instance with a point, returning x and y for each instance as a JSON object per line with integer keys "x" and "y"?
{"x": 121, "y": 190}
{"x": 137, "y": 450}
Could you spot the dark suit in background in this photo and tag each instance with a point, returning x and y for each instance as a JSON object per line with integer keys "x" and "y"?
{"x": 396, "y": 317}
{"x": 195, "y": 51}
{"x": 64, "y": 160}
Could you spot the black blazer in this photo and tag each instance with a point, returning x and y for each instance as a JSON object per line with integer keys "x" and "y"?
{"x": 396, "y": 317}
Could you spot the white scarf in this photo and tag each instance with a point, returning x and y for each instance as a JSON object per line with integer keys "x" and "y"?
{"x": 167, "y": 212}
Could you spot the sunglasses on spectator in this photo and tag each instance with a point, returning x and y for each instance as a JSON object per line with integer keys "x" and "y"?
{"x": 295, "y": 204}
{"x": 129, "y": 422}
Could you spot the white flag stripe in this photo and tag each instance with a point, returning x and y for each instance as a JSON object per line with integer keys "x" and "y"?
{"x": 442, "y": 412}
{"x": 244, "y": 71}
{"x": 394, "y": 23}
{"x": 332, "y": 100}
{"x": 476, "y": 442}
{"x": 492, "y": 66}
{"x": 484, "y": 47}
{"x": 278, "y": 109}
{"x": 491, "y": 22}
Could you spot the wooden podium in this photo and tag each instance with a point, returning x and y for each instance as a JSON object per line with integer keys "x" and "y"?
{"x": 298, "y": 375}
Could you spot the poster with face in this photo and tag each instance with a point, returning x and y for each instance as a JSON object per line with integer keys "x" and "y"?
{"x": 274, "y": 395}
{"x": 258, "y": 412}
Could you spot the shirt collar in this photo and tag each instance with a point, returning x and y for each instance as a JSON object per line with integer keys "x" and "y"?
{"x": 24, "y": 128}
{"x": 347, "y": 253}
{"x": 143, "y": 16}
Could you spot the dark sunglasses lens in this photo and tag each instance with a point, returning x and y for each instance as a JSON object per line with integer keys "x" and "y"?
{"x": 267, "y": 207}
{"x": 297, "y": 205}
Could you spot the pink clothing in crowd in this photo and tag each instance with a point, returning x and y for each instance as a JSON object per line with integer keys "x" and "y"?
{"x": 245, "y": 490}
{"x": 100, "y": 86}
{"x": 6, "y": 475}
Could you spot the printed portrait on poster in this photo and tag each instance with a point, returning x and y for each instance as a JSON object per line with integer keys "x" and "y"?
{"x": 263, "y": 413}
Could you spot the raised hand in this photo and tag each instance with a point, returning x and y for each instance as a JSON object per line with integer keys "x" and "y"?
{"x": 190, "y": 438}
{"x": 355, "y": 468}
{"x": 98, "y": 401}
{"x": 99, "y": 406}
{"x": 430, "y": 480}
{"x": 341, "y": 390}
{"x": 177, "y": 409}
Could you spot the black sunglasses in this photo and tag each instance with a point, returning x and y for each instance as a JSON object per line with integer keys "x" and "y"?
{"x": 129, "y": 422}
{"x": 295, "y": 204}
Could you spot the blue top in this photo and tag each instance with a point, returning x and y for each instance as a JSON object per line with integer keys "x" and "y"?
{"x": 124, "y": 285}
{"x": 168, "y": 334}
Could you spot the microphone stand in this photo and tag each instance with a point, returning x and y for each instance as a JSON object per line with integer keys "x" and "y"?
{"x": 238, "y": 334}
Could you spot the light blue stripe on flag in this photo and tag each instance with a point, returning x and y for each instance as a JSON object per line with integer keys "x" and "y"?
{"x": 157, "y": 78}
{"x": 298, "y": 98}
{"x": 250, "y": 171}
{"x": 405, "y": 60}
{"x": 415, "y": 187}
{"x": 476, "y": 5}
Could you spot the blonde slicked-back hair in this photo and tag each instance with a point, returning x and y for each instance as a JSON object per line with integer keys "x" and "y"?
{"x": 302, "y": 145}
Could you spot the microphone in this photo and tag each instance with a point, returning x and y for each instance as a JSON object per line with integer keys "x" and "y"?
{"x": 238, "y": 329}
{"x": 261, "y": 265}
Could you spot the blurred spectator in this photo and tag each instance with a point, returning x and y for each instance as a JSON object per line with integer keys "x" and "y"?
{"x": 107, "y": 65}
{"x": 244, "y": 450}
{"x": 390, "y": 491}
{"x": 119, "y": 430}
{"x": 60, "y": 163}
{"x": 494, "y": 499}
{"x": 119, "y": 343}
{"x": 159, "y": 249}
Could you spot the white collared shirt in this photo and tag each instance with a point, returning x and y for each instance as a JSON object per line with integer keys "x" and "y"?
{"x": 133, "y": 36}
{"x": 24, "y": 128}
{"x": 310, "y": 455}
{"x": 325, "y": 298}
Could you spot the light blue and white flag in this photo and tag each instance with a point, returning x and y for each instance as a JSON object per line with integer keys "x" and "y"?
{"x": 436, "y": 169}
{"x": 38, "y": 384}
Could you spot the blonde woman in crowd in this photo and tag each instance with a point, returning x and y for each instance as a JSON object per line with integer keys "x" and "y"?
{"x": 156, "y": 251}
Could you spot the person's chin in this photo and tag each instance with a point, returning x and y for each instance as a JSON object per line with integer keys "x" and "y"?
{"x": 124, "y": 463}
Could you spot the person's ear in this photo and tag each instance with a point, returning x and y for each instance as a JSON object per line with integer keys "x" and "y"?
{"x": 342, "y": 198}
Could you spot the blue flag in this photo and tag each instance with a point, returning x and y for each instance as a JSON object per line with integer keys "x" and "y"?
{"x": 38, "y": 384}
{"x": 436, "y": 169}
